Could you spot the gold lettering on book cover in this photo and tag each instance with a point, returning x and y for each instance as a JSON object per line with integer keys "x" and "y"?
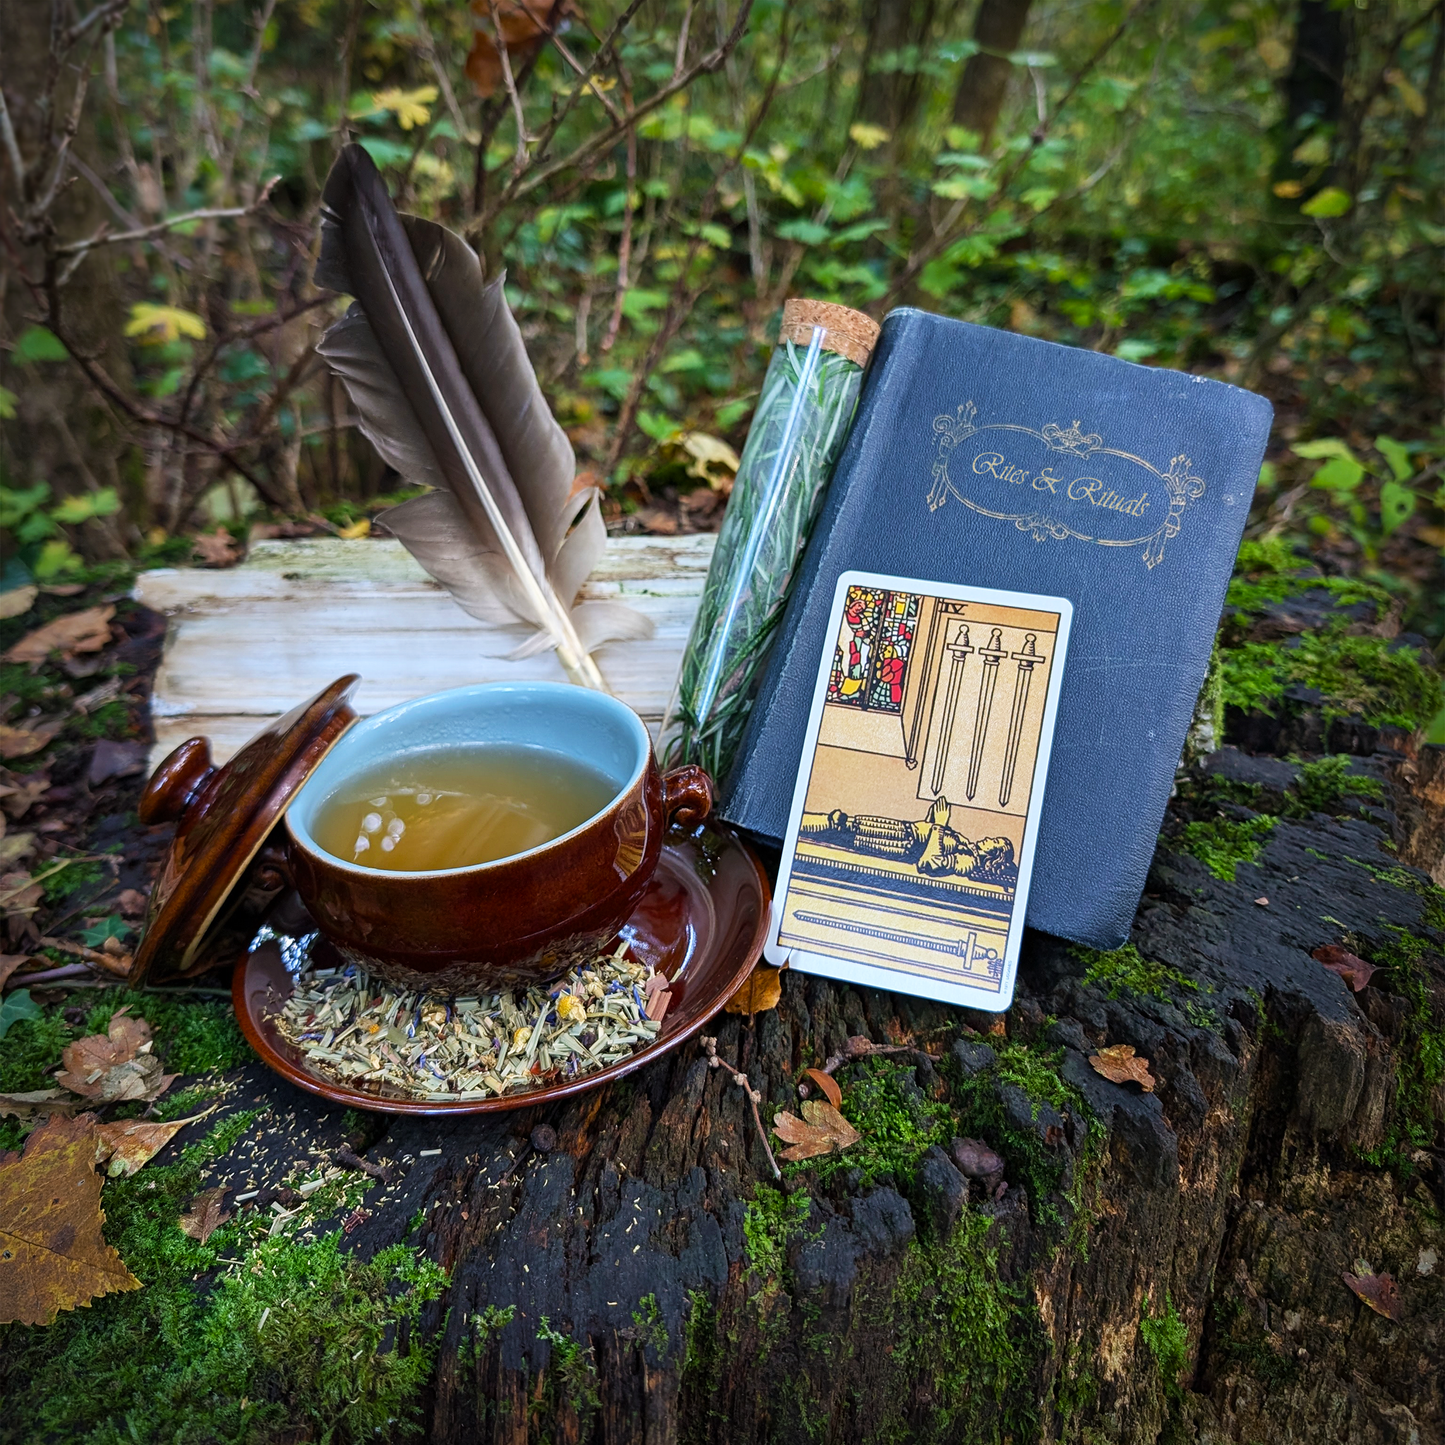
{"x": 1065, "y": 501}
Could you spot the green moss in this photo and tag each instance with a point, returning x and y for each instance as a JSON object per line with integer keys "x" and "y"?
{"x": 1126, "y": 970}
{"x": 647, "y": 1321}
{"x": 1323, "y": 786}
{"x": 1357, "y": 675}
{"x": 78, "y": 876}
{"x": 966, "y": 1341}
{"x": 701, "y": 1364}
{"x": 193, "y": 1035}
{"x": 480, "y": 1327}
{"x": 298, "y": 1339}
{"x": 769, "y": 1224}
{"x": 981, "y": 1114}
{"x": 1419, "y": 1056}
{"x": 1168, "y": 1342}
{"x": 571, "y": 1377}
{"x": 1222, "y": 844}
{"x": 1267, "y": 572}
{"x": 898, "y": 1122}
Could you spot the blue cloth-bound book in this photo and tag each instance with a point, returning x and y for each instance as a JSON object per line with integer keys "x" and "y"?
{"x": 983, "y": 458}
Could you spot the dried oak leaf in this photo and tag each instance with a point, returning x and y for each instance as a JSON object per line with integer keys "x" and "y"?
{"x": 1121, "y": 1065}
{"x": 828, "y": 1084}
{"x": 207, "y": 1213}
{"x": 9, "y": 962}
{"x": 117, "y": 1065}
{"x": 217, "y": 549}
{"x": 760, "y": 993}
{"x": 1378, "y": 1291}
{"x": 86, "y": 631}
{"x": 125, "y": 1144}
{"x": 38, "y": 1102}
{"x": 1350, "y": 966}
{"x": 821, "y": 1130}
{"x": 21, "y": 742}
{"x": 20, "y": 792}
{"x": 53, "y": 1255}
{"x": 523, "y": 24}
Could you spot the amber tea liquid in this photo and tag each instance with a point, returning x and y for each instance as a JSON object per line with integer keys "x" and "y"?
{"x": 459, "y": 806}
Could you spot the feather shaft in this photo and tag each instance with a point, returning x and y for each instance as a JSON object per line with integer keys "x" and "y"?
{"x": 575, "y": 659}
{"x": 501, "y": 552}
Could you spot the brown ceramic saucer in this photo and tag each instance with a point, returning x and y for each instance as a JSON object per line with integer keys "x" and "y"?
{"x": 701, "y": 922}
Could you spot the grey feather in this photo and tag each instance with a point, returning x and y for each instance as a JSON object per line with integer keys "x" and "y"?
{"x": 532, "y": 457}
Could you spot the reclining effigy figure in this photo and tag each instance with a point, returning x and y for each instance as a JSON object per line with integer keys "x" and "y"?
{"x": 930, "y": 844}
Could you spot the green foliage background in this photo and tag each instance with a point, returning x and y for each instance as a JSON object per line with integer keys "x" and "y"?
{"x": 1149, "y": 190}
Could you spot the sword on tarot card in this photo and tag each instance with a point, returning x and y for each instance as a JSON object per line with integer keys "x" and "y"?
{"x": 991, "y": 655}
{"x": 958, "y": 650}
{"x": 1027, "y": 659}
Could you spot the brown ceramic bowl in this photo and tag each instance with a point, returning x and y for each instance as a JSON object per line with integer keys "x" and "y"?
{"x": 521, "y": 920}
{"x": 700, "y": 921}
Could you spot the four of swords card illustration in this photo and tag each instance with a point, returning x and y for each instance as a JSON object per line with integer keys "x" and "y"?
{"x": 911, "y": 839}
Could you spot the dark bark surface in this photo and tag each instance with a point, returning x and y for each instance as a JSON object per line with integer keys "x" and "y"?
{"x": 1161, "y": 1266}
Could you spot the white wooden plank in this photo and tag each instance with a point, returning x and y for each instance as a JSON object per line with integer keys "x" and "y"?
{"x": 247, "y": 643}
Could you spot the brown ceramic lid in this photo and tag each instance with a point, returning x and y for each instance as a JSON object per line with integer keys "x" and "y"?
{"x": 224, "y": 816}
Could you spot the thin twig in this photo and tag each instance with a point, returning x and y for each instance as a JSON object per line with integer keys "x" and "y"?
{"x": 12, "y": 146}
{"x": 624, "y": 246}
{"x": 755, "y": 1096}
{"x": 144, "y": 233}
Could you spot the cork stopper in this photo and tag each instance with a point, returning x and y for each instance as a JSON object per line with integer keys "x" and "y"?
{"x": 849, "y": 333}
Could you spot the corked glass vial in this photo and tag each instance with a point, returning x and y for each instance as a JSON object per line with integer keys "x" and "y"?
{"x": 808, "y": 399}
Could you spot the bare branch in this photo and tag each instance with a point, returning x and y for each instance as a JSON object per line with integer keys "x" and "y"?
{"x": 12, "y": 146}
{"x": 144, "y": 233}
{"x": 524, "y": 184}
{"x": 444, "y": 81}
{"x": 103, "y": 14}
{"x": 624, "y": 246}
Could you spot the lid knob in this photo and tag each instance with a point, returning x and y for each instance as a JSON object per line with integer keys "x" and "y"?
{"x": 177, "y": 783}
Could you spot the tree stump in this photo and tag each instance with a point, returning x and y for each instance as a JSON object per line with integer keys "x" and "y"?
{"x": 1147, "y": 1263}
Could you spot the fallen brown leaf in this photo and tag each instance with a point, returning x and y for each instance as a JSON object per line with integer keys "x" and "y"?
{"x": 975, "y": 1159}
{"x": 111, "y": 759}
{"x": 828, "y": 1084}
{"x": 86, "y": 631}
{"x": 53, "y": 1255}
{"x": 523, "y": 25}
{"x": 15, "y": 847}
{"x": 9, "y": 962}
{"x": 760, "y": 993}
{"x": 16, "y": 601}
{"x": 207, "y": 1213}
{"x": 20, "y": 893}
{"x": 217, "y": 549}
{"x": 116, "y": 1065}
{"x": 821, "y": 1130}
{"x": 21, "y": 742}
{"x": 20, "y": 791}
{"x": 1350, "y": 966}
{"x": 131, "y": 902}
{"x": 1120, "y": 1065}
{"x": 124, "y": 1145}
{"x": 1379, "y": 1291}
{"x": 38, "y": 1102}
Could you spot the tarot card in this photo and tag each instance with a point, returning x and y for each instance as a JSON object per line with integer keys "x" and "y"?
{"x": 911, "y": 839}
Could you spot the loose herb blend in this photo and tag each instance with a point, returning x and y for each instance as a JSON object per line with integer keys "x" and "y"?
{"x": 808, "y": 398}
{"x": 364, "y": 1034}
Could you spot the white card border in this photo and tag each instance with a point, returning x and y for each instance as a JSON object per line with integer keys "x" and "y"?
{"x": 870, "y": 975}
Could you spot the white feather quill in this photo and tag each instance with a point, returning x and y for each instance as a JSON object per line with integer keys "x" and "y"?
{"x": 438, "y": 374}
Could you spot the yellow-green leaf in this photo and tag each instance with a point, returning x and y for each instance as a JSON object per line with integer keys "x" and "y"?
{"x": 867, "y": 137}
{"x": 154, "y": 324}
{"x": 7, "y": 404}
{"x": 1331, "y": 201}
{"x": 410, "y": 107}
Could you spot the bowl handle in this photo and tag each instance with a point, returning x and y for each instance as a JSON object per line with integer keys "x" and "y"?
{"x": 177, "y": 783}
{"x": 686, "y": 796}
